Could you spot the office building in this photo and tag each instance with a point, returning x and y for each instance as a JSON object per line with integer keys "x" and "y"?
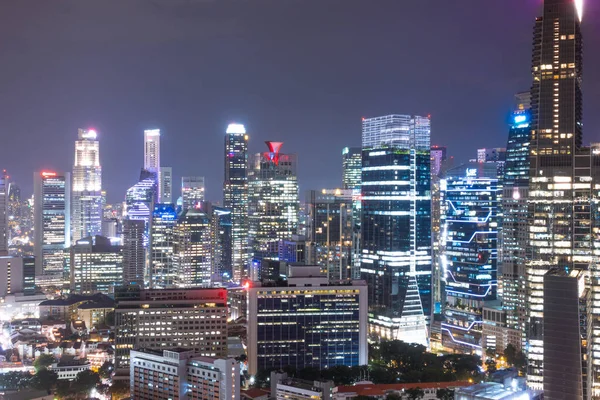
{"x": 559, "y": 214}
{"x": 513, "y": 240}
{"x": 235, "y": 196}
{"x": 14, "y": 208}
{"x": 86, "y": 205}
{"x": 52, "y": 221}
{"x": 221, "y": 228}
{"x": 140, "y": 200}
{"x": 182, "y": 374}
{"x": 152, "y": 150}
{"x": 273, "y": 198}
{"x": 329, "y": 231}
{"x": 491, "y": 154}
{"x": 134, "y": 253}
{"x": 307, "y": 322}
{"x": 472, "y": 198}
{"x": 438, "y": 158}
{"x": 193, "y": 248}
{"x": 165, "y": 185}
{"x": 17, "y": 275}
{"x": 565, "y": 334}
{"x": 284, "y": 387}
{"x": 96, "y": 266}
{"x": 161, "y": 249}
{"x": 396, "y": 225}
{"x": 351, "y": 167}
{"x": 192, "y": 191}
{"x": 3, "y": 214}
{"x": 495, "y": 391}
{"x": 195, "y": 319}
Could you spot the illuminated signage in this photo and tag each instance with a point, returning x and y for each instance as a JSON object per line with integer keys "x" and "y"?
{"x": 91, "y": 134}
{"x": 47, "y": 174}
{"x": 471, "y": 171}
{"x": 236, "y": 128}
{"x": 520, "y": 118}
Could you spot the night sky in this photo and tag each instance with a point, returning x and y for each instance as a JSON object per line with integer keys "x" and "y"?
{"x": 299, "y": 71}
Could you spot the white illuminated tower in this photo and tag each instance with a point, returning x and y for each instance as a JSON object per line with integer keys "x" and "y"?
{"x": 86, "y": 214}
{"x": 152, "y": 150}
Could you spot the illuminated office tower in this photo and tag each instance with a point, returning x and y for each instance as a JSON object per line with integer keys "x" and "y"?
{"x": 272, "y": 198}
{"x": 329, "y": 231}
{"x": 152, "y": 150}
{"x": 165, "y": 185}
{"x": 438, "y": 163}
{"x": 52, "y": 215}
{"x": 86, "y": 211}
{"x": 3, "y": 214}
{"x": 396, "y": 225}
{"x": 513, "y": 240}
{"x": 221, "y": 242}
{"x": 140, "y": 199}
{"x": 351, "y": 167}
{"x": 192, "y": 191}
{"x": 438, "y": 157}
{"x": 134, "y": 253}
{"x": 470, "y": 255}
{"x": 235, "y": 196}
{"x": 162, "y": 225}
{"x": 96, "y": 266}
{"x": 351, "y": 178}
{"x": 559, "y": 219}
{"x": 14, "y": 205}
{"x": 193, "y": 248}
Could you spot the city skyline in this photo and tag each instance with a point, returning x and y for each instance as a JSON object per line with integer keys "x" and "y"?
{"x": 489, "y": 101}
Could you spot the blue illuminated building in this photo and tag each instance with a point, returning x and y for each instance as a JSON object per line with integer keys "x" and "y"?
{"x": 140, "y": 198}
{"x": 396, "y": 226}
{"x": 470, "y": 195}
{"x": 162, "y": 268}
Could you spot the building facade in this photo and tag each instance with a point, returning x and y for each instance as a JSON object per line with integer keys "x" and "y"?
{"x": 235, "y": 196}
{"x": 193, "y": 248}
{"x": 86, "y": 211}
{"x": 192, "y": 191}
{"x": 165, "y": 185}
{"x": 162, "y": 272}
{"x": 396, "y": 225}
{"x": 3, "y": 214}
{"x": 96, "y": 266}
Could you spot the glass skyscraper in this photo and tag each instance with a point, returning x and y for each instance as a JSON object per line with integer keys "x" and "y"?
{"x": 52, "y": 229}
{"x": 86, "y": 214}
{"x": 192, "y": 191}
{"x": 162, "y": 225}
{"x": 351, "y": 178}
{"x": 193, "y": 248}
{"x": 396, "y": 225}
{"x": 235, "y": 196}
{"x": 471, "y": 196}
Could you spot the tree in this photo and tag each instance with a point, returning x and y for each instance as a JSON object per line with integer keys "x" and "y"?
{"x": 119, "y": 389}
{"x": 511, "y": 354}
{"x": 445, "y": 394}
{"x": 393, "y": 396}
{"x": 415, "y": 393}
{"x": 490, "y": 366}
{"x": 43, "y": 362}
{"x": 490, "y": 352}
{"x": 63, "y": 389}
{"x": 44, "y": 379}
{"x": 85, "y": 381}
{"x": 106, "y": 370}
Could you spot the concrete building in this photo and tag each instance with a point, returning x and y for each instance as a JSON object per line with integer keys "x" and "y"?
{"x": 298, "y": 323}
{"x": 17, "y": 275}
{"x": 182, "y": 374}
{"x": 96, "y": 266}
{"x": 284, "y": 388}
{"x": 495, "y": 391}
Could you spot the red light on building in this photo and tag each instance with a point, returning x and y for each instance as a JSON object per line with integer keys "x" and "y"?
{"x": 246, "y": 285}
{"x": 47, "y": 174}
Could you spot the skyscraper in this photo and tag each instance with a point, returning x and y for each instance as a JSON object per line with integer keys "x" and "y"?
{"x": 396, "y": 225}
{"x": 86, "y": 214}
{"x": 140, "y": 200}
{"x": 351, "y": 167}
{"x": 134, "y": 254}
{"x": 272, "y": 198}
{"x": 559, "y": 211}
{"x": 235, "y": 195}
{"x": 165, "y": 185}
{"x": 96, "y": 266}
{"x": 3, "y": 214}
{"x": 192, "y": 191}
{"x": 152, "y": 150}
{"x": 52, "y": 216}
{"x": 438, "y": 156}
{"x": 513, "y": 240}
{"x": 471, "y": 194}
{"x": 193, "y": 248}
{"x": 162, "y": 225}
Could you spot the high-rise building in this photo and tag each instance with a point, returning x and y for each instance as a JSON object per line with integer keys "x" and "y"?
{"x": 162, "y": 272}
{"x": 273, "y": 198}
{"x": 182, "y": 374}
{"x": 193, "y": 248}
{"x": 491, "y": 154}
{"x": 235, "y": 196}
{"x": 192, "y": 191}
{"x": 307, "y": 322}
{"x": 438, "y": 157}
{"x": 152, "y": 150}
{"x": 3, "y": 214}
{"x": 195, "y": 319}
{"x": 14, "y": 206}
{"x": 140, "y": 200}
{"x": 560, "y": 181}
{"x": 165, "y": 185}
{"x": 513, "y": 240}
{"x": 396, "y": 225}
{"x": 96, "y": 266}
{"x": 52, "y": 217}
{"x": 221, "y": 242}
{"x": 329, "y": 231}
{"x": 471, "y": 196}
{"x": 351, "y": 167}
{"x": 86, "y": 211}
{"x": 134, "y": 253}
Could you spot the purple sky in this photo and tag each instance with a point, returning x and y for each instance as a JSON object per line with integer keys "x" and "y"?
{"x": 299, "y": 71}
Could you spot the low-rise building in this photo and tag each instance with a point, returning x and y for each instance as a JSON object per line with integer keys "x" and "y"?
{"x": 285, "y": 388}
{"x": 182, "y": 374}
{"x": 495, "y": 391}
{"x": 381, "y": 391}
{"x": 68, "y": 367}
{"x": 65, "y": 309}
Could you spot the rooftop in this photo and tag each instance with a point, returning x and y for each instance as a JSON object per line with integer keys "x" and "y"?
{"x": 371, "y": 389}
